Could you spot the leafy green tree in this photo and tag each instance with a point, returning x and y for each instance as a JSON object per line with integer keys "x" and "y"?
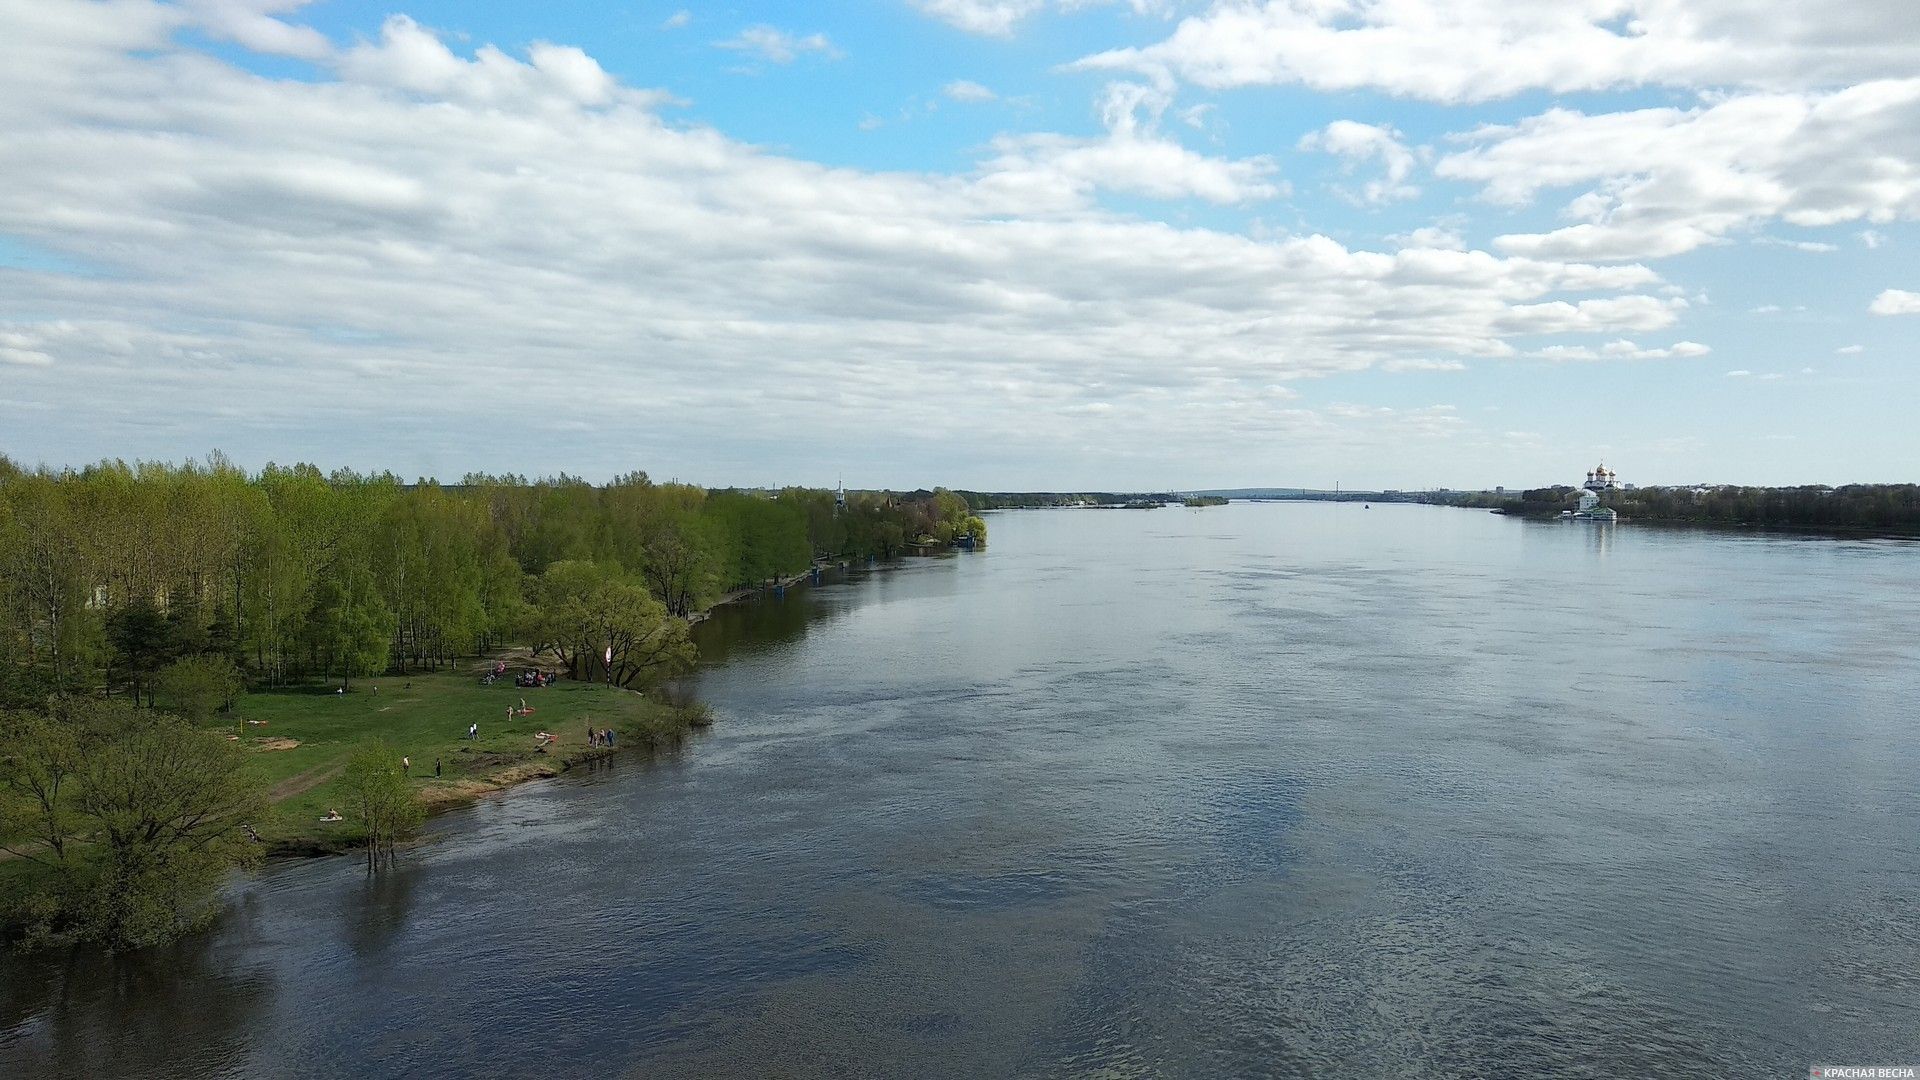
{"x": 196, "y": 687}
{"x": 142, "y": 644}
{"x": 351, "y": 631}
{"x": 681, "y": 559}
{"x": 139, "y": 815}
{"x": 380, "y": 801}
{"x": 169, "y": 806}
{"x": 45, "y": 578}
{"x": 769, "y": 538}
{"x": 601, "y": 626}
{"x": 39, "y": 759}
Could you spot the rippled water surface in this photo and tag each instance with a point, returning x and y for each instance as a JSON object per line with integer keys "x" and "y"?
{"x": 1254, "y": 790}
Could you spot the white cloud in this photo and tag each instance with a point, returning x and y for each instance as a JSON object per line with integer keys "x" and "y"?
{"x": 1815, "y": 247}
{"x": 1442, "y": 234}
{"x": 1873, "y": 238}
{"x": 1477, "y": 50}
{"x": 412, "y": 58}
{"x": 381, "y": 255}
{"x": 251, "y": 24}
{"x": 1195, "y": 116}
{"x": 966, "y": 91}
{"x": 1740, "y": 374}
{"x": 677, "y": 20}
{"x": 1623, "y": 349}
{"x": 1666, "y": 181}
{"x": 1132, "y": 157}
{"x": 1850, "y": 350}
{"x": 997, "y": 18}
{"x": 1355, "y": 142}
{"x": 1896, "y": 302}
{"x": 778, "y": 46}
{"x": 992, "y": 17}
{"x": 17, "y": 347}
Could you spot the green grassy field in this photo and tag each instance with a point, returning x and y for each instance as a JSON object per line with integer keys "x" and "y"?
{"x": 424, "y": 717}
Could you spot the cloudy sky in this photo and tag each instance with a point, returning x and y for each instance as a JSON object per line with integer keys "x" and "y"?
{"x": 988, "y": 243}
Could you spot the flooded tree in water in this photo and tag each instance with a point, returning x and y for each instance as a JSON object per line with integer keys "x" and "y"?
{"x": 380, "y": 800}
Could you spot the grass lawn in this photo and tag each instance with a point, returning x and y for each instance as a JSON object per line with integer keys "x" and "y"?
{"x": 424, "y": 717}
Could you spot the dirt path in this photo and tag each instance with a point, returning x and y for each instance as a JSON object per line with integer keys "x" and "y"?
{"x": 306, "y": 781}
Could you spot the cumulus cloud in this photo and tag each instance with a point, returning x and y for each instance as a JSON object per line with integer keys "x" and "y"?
{"x": 413, "y": 58}
{"x": 1478, "y": 50}
{"x": 778, "y": 46}
{"x": 1896, "y": 302}
{"x": 678, "y": 19}
{"x": 1355, "y": 142}
{"x": 1666, "y": 181}
{"x": 1444, "y": 235}
{"x": 970, "y": 92}
{"x": 425, "y": 247}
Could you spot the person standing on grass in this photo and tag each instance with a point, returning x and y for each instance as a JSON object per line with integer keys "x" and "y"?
{"x": 591, "y": 741}
{"x": 436, "y": 768}
{"x": 406, "y": 766}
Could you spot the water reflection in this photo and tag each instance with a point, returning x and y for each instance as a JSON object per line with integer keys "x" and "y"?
{"x": 769, "y": 621}
{"x": 370, "y": 922}
{"x": 187, "y": 1010}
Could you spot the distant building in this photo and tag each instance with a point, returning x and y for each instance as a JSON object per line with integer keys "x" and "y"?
{"x": 1602, "y": 479}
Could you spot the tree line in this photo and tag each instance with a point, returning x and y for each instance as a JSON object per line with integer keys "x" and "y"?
{"x": 1851, "y": 506}
{"x": 153, "y": 580}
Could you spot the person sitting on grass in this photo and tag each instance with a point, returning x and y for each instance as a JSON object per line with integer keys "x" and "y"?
{"x": 332, "y": 815}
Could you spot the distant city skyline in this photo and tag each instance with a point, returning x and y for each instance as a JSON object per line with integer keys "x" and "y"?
{"x": 1002, "y": 245}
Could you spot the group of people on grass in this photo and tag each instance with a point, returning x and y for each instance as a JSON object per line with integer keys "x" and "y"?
{"x": 531, "y": 678}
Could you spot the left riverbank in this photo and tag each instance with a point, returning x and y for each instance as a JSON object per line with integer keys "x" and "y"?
{"x": 298, "y": 742}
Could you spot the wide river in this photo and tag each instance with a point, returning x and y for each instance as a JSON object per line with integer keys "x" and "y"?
{"x": 1280, "y": 790}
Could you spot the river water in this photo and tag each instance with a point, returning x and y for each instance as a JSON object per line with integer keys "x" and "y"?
{"x": 1256, "y": 790}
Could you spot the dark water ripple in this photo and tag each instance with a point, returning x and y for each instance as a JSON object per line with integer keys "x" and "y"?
{"x": 1252, "y": 791}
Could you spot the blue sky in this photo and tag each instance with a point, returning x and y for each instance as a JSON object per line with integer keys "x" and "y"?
{"x": 987, "y": 243}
